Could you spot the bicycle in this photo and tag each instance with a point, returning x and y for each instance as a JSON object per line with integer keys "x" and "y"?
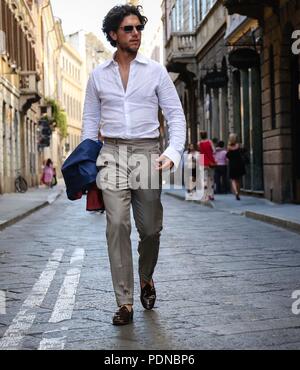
{"x": 21, "y": 184}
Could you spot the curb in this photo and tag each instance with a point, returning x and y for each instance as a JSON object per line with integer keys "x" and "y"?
{"x": 20, "y": 217}
{"x": 285, "y": 224}
{"x": 289, "y": 225}
{"x": 201, "y": 203}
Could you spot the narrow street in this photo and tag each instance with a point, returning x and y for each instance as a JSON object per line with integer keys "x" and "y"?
{"x": 223, "y": 282}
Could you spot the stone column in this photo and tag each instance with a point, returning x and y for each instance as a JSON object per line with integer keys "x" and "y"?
{"x": 245, "y": 115}
{"x": 236, "y": 103}
{"x": 215, "y": 123}
{"x": 224, "y": 119}
{"x": 193, "y": 110}
{"x": 256, "y": 130}
{"x": 23, "y": 144}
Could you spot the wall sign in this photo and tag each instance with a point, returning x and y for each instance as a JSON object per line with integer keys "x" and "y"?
{"x": 216, "y": 79}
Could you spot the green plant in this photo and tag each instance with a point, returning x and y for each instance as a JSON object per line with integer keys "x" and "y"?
{"x": 60, "y": 117}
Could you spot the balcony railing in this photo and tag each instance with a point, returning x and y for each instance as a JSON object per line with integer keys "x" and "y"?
{"x": 29, "y": 89}
{"x": 181, "y": 45}
{"x": 250, "y": 8}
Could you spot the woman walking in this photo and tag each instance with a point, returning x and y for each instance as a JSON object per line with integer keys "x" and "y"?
{"x": 207, "y": 149}
{"x": 48, "y": 173}
{"x": 236, "y": 164}
{"x": 221, "y": 168}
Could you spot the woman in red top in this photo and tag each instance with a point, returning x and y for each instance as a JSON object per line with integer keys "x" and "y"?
{"x": 206, "y": 148}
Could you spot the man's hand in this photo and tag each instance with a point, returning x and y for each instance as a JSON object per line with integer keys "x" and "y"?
{"x": 163, "y": 163}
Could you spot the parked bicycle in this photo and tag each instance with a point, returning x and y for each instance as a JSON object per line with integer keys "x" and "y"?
{"x": 21, "y": 185}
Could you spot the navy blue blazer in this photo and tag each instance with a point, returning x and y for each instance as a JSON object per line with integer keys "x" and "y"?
{"x": 79, "y": 169}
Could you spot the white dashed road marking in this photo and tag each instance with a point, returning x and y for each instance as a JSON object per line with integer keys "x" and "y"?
{"x": 64, "y": 306}
{"x": 26, "y": 316}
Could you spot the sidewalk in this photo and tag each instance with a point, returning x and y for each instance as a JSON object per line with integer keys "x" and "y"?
{"x": 16, "y": 206}
{"x": 283, "y": 215}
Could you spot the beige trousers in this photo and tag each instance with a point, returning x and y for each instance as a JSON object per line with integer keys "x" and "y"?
{"x": 117, "y": 178}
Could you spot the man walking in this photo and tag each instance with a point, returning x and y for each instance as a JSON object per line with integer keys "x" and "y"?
{"x": 122, "y": 100}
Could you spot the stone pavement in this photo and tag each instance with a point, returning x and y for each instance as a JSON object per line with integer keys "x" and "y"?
{"x": 223, "y": 282}
{"x": 16, "y": 206}
{"x": 283, "y": 215}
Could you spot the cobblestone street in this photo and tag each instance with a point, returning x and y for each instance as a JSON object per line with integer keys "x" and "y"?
{"x": 223, "y": 282}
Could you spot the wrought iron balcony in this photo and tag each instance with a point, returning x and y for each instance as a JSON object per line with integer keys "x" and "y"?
{"x": 250, "y": 8}
{"x": 181, "y": 47}
{"x": 29, "y": 89}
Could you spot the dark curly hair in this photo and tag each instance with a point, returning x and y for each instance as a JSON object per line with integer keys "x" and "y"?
{"x": 115, "y": 17}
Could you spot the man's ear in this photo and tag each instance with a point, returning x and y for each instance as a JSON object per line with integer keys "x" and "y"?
{"x": 113, "y": 35}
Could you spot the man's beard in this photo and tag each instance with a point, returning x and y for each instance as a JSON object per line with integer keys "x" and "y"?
{"x": 129, "y": 50}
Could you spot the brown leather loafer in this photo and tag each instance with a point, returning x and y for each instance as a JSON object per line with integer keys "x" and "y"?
{"x": 123, "y": 316}
{"x": 148, "y": 296}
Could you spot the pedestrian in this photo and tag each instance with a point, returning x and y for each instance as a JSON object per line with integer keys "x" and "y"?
{"x": 221, "y": 168}
{"x": 122, "y": 99}
{"x": 54, "y": 178}
{"x": 206, "y": 148}
{"x": 48, "y": 173}
{"x": 236, "y": 164}
{"x": 191, "y": 160}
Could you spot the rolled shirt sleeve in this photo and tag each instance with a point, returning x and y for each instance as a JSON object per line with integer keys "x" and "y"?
{"x": 91, "y": 112}
{"x": 172, "y": 109}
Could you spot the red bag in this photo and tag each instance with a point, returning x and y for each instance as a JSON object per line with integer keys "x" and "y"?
{"x": 94, "y": 199}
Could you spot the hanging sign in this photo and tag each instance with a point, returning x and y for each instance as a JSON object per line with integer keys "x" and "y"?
{"x": 244, "y": 58}
{"x": 215, "y": 79}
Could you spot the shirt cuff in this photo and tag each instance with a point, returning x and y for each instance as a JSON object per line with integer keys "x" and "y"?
{"x": 174, "y": 155}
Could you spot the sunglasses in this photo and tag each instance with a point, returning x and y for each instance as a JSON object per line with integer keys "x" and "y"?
{"x": 129, "y": 29}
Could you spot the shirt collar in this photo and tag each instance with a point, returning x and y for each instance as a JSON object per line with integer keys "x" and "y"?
{"x": 139, "y": 58}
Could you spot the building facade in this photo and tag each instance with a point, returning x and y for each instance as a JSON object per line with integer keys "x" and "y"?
{"x": 40, "y": 73}
{"x": 280, "y": 98}
{"x": 20, "y": 92}
{"x": 195, "y": 51}
{"x": 243, "y": 40}
{"x": 52, "y": 44}
{"x": 236, "y": 66}
{"x": 92, "y": 53}
{"x": 71, "y": 93}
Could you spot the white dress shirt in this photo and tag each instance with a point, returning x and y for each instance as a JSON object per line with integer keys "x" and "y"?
{"x": 133, "y": 114}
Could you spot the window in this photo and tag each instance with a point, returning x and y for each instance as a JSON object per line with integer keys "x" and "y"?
{"x": 206, "y": 5}
{"x": 197, "y": 12}
{"x": 68, "y": 105}
{"x": 191, "y": 16}
{"x": 203, "y": 8}
{"x": 178, "y": 17}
